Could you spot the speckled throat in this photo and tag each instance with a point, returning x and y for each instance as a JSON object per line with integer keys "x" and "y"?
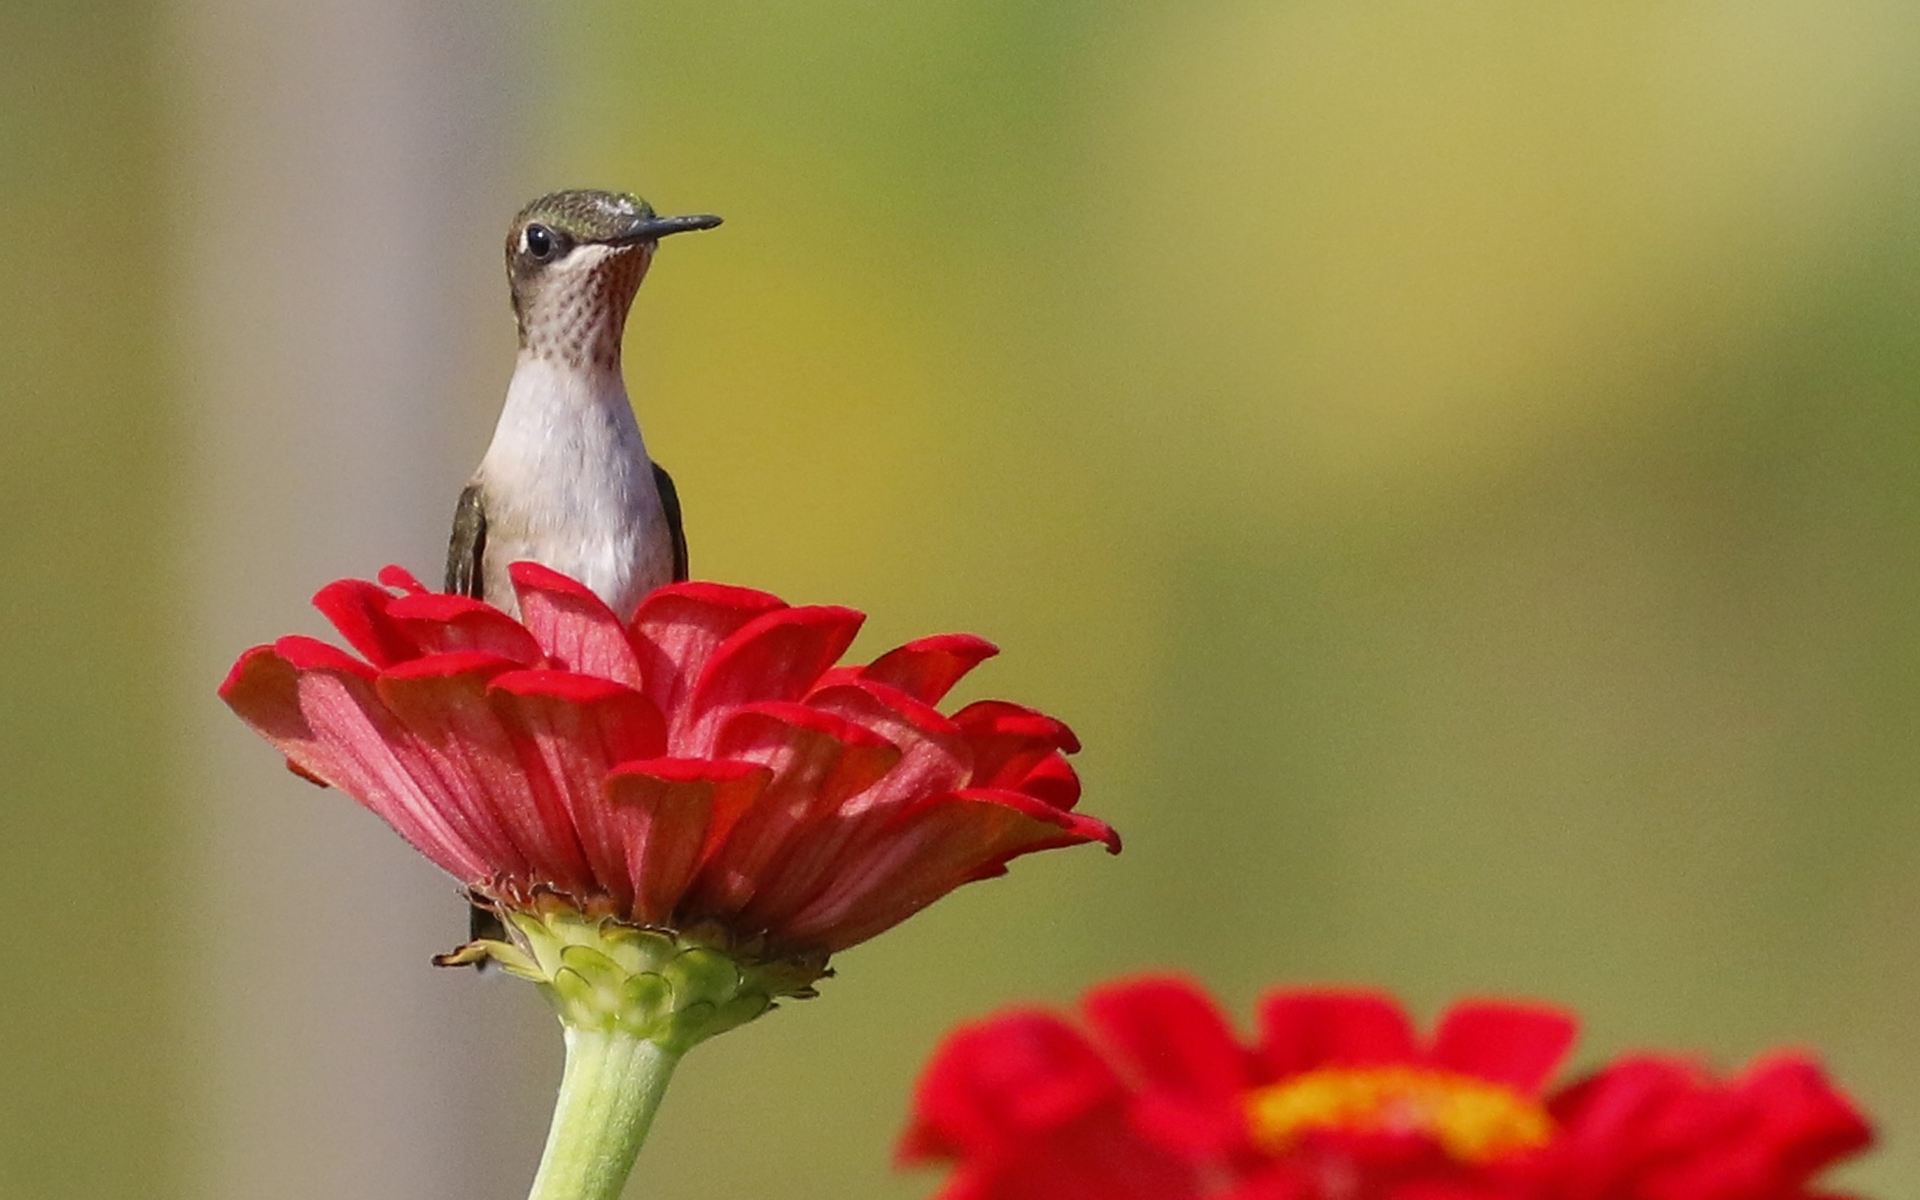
{"x": 575, "y": 312}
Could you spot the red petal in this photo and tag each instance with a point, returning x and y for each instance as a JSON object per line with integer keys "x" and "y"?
{"x": 440, "y": 623}
{"x": 434, "y": 668}
{"x": 771, "y": 729}
{"x": 933, "y": 757}
{"x": 400, "y": 579}
{"x": 818, "y": 761}
{"x": 925, "y": 853}
{"x": 573, "y": 625}
{"x": 1664, "y": 1128}
{"x": 776, "y": 656}
{"x": 1193, "y": 1072}
{"x": 1032, "y": 1113}
{"x": 1514, "y": 1044}
{"x": 1807, "y": 1123}
{"x": 1005, "y": 717}
{"x": 893, "y": 714}
{"x": 678, "y": 628}
{"x": 331, "y": 726}
{"x": 358, "y": 609}
{"x": 1305, "y": 1030}
{"x": 1010, "y": 741}
{"x": 569, "y": 732}
{"x": 1053, "y": 780}
{"x": 1605, "y": 1120}
{"x": 311, "y": 654}
{"x": 442, "y": 702}
{"x": 928, "y": 668}
{"x": 815, "y": 867}
{"x": 507, "y": 783}
{"x": 841, "y": 676}
{"x": 261, "y": 690}
{"x": 668, "y": 812}
{"x": 997, "y": 1086}
{"x": 931, "y": 761}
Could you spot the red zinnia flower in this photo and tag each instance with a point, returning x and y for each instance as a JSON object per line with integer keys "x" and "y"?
{"x": 1340, "y": 1100}
{"x": 677, "y": 819}
{"x": 705, "y": 766}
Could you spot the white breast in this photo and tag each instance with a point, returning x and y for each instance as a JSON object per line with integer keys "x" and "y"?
{"x": 567, "y": 483}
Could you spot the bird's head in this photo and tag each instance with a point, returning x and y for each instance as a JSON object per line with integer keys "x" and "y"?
{"x": 574, "y": 261}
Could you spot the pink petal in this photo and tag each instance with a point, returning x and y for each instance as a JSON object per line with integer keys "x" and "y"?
{"x": 777, "y": 656}
{"x": 331, "y": 726}
{"x": 817, "y": 761}
{"x": 358, "y": 609}
{"x": 441, "y": 700}
{"x": 261, "y": 690}
{"x": 573, "y": 625}
{"x": 668, "y": 812}
{"x": 928, "y": 851}
{"x": 441, "y": 623}
{"x": 928, "y": 668}
{"x": 569, "y": 732}
{"x": 934, "y": 760}
{"x": 934, "y": 756}
{"x": 678, "y": 628}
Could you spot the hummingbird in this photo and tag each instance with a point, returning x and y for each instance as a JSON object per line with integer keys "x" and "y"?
{"x": 567, "y": 480}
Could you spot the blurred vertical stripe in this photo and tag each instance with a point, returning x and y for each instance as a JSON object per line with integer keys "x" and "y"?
{"x": 341, "y": 177}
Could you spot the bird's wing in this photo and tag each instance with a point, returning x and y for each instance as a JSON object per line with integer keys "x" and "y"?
{"x": 670, "y": 504}
{"x": 466, "y": 578}
{"x": 468, "y": 545}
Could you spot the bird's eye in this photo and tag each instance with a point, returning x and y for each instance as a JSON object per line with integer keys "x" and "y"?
{"x": 540, "y": 242}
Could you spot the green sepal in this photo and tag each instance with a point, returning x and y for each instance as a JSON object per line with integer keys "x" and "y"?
{"x": 511, "y": 958}
{"x": 648, "y": 992}
{"x": 675, "y": 989}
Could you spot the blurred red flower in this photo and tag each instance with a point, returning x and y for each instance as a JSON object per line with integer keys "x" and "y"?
{"x": 1156, "y": 1099}
{"x": 707, "y": 763}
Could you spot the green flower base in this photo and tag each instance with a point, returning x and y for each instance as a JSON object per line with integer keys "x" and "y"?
{"x": 632, "y": 1001}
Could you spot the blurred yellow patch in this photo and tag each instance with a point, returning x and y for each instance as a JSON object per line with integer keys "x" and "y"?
{"x": 1472, "y": 1120}
{"x": 1375, "y": 239}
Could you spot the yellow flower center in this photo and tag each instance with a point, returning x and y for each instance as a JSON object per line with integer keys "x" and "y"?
{"x": 1472, "y": 1120}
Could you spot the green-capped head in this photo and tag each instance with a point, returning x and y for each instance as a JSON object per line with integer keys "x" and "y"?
{"x": 575, "y": 260}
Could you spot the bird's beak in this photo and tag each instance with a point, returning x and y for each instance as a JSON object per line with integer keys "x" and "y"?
{"x": 652, "y": 229}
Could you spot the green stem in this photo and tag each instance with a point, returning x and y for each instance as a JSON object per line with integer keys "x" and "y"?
{"x": 612, "y": 1085}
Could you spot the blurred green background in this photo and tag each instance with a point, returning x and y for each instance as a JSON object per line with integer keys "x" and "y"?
{"x": 1456, "y": 466}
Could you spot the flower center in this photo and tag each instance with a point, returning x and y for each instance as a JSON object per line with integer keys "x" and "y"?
{"x": 1472, "y": 1120}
